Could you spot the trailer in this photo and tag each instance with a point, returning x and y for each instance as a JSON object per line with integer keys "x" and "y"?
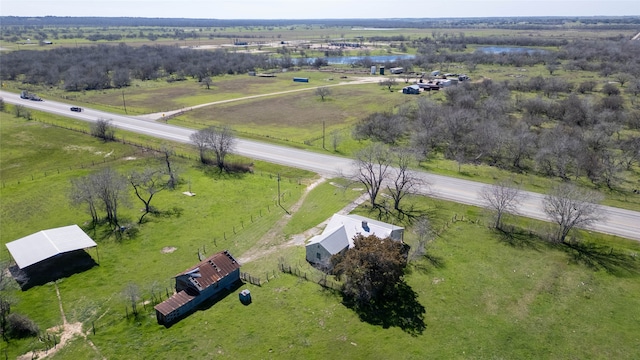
{"x": 24, "y": 94}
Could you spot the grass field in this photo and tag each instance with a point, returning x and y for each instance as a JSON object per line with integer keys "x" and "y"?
{"x": 484, "y": 296}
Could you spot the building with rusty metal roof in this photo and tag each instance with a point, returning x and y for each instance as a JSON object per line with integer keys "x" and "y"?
{"x": 208, "y": 279}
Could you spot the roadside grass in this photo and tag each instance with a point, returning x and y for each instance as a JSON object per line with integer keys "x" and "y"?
{"x": 486, "y": 298}
{"x": 30, "y": 151}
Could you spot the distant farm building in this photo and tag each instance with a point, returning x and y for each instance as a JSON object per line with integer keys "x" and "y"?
{"x": 345, "y": 44}
{"x": 49, "y": 255}
{"x": 411, "y": 89}
{"x": 212, "y": 277}
{"x": 338, "y": 236}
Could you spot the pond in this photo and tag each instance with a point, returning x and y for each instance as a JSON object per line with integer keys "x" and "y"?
{"x": 375, "y": 58}
{"x": 509, "y": 49}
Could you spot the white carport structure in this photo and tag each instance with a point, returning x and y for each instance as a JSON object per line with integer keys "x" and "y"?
{"x": 46, "y": 244}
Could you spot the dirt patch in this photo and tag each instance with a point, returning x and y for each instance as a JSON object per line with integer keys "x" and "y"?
{"x": 78, "y": 148}
{"x": 168, "y": 249}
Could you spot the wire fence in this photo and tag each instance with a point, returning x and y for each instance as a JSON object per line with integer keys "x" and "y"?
{"x": 320, "y": 279}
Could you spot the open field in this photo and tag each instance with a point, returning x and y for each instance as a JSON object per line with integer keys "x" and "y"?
{"x": 485, "y": 294}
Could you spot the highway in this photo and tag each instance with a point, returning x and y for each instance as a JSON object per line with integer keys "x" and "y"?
{"x": 615, "y": 221}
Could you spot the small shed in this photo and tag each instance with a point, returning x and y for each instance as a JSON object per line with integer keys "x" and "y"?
{"x": 411, "y": 89}
{"x": 213, "y": 277}
{"x": 49, "y": 255}
{"x": 49, "y": 243}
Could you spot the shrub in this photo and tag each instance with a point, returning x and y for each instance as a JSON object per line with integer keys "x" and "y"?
{"x": 20, "y": 326}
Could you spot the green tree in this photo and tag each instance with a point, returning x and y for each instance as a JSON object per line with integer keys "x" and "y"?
{"x": 372, "y": 268}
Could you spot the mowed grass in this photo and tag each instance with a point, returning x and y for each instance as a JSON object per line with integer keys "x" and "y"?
{"x": 486, "y": 298}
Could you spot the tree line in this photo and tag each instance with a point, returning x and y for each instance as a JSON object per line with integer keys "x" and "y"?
{"x": 483, "y": 122}
{"x": 523, "y": 23}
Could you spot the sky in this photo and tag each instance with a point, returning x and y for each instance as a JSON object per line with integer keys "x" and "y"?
{"x": 317, "y": 9}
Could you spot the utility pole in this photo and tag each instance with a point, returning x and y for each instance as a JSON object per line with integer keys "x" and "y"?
{"x": 323, "y": 133}
{"x": 124, "y": 103}
{"x": 279, "y": 189}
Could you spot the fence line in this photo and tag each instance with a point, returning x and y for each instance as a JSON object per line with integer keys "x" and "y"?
{"x": 321, "y": 280}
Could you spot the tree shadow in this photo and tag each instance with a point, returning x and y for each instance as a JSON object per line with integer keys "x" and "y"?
{"x": 424, "y": 263}
{"x": 602, "y": 257}
{"x": 518, "y": 238}
{"x": 399, "y": 308}
{"x": 407, "y": 215}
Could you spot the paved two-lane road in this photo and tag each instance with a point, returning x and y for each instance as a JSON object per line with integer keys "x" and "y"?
{"x": 620, "y": 222}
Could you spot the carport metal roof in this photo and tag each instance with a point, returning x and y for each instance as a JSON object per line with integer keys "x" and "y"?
{"x": 48, "y": 243}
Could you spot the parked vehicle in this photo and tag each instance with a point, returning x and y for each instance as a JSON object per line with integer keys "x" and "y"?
{"x": 24, "y": 94}
{"x": 76, "y": 109}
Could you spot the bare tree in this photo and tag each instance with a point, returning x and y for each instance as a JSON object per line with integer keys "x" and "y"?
{"x": 336, "y": 139}
{"x": 155, "y": 290}
{"x": 570, "y": 206}
{"x": 388, "y": 83}
{"x": 206, "y": 81}
{"x": 5, "y": 303}
{"x": 622, "y": 78}
{"x": 131, "y": 293}
{"x": 168, "y": 151}
{"x": 82, "y": 192}
{"x": 404, "y": 180}
{"x": 110, "y": 188}
{"x": 200, "y": 139}
{"x": 424, "y": 232}
{"x": 552, "y": 67}
{"x": 372, "y": 164}
{"x": 145, "y": 185}
{"x": 21, "y": 111}
{"x": 501, "y": 198}
{"x": 323, "y": 92}
{"x": 103, "y": 129}
{"x": 219, "y": 140}
{"x": 222, "y": 143}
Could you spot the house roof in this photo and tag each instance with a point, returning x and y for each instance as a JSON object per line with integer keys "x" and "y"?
{"x": 355, "y": 224}
{"x": 333, "y": 240}
{"x": 341, "y": 230}
{"x": 48, "y": 243}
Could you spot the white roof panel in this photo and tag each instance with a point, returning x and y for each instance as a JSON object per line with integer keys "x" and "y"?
{"x": 44, "y": 244}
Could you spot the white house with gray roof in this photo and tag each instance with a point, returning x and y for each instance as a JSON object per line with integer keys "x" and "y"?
{"x": 338, "y": 236}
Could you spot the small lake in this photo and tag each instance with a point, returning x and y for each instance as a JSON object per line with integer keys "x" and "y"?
{"x": 375, "y": 58}
{"x": 509, "y": 49}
